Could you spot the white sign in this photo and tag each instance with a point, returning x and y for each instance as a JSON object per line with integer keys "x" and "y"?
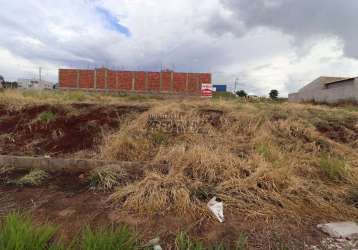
{"x": 206, "y": 90}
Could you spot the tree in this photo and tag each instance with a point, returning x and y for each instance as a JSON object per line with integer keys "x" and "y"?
{"x": 274, "y": 94}
{"x": 241, "y": 93}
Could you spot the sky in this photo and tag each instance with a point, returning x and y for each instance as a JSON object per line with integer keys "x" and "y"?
{"x": 262, "y": 44}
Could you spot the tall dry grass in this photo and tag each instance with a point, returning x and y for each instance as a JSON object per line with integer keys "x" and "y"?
{"x": 263, "y": 159}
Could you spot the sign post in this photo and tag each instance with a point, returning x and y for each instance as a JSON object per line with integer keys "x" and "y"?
{"x": 207, "y": 90}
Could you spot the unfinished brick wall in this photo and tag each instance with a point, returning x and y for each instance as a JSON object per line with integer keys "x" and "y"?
{"x": 133, "y": 81}
{"x": 68, "y": 78}
{"x": 86, "y": 79}
{"x": 154, "y": 81}
{"x": 125, "y": 80}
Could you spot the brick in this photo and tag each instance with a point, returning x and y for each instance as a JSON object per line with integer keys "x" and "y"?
{"x": 193, "y": 86}
{"x": 139, "y": 81}
{"x": 100, "y": 78}
{"x": 67, "y": 78}
{"x": 111, "y": 80}
{"x": 144, "y": 81}
{"x": 153, "y": 81}
{"x": 179, "y": 82}
{"x": 86, "y": 79}
{"x": 166, "y": 78}
{"x": 124, "y": 80}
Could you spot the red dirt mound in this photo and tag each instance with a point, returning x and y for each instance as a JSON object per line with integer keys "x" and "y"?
{"x": 69, "y": 129}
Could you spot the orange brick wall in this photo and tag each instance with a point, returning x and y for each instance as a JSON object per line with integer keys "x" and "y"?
{"x": 179, "y": 82}
{"x": 105, "y": 79}
{"x": 125, "y": 80}
{"x": 100, "y": 78}
{"x": 139, "y": 81}
{"x": 154, "y": 81}
{"x": 194, "y": 80}
{"x": 86, "y": 79}
{"x": 67, "y": 78}
{"x": 166, "y": 79}
{"x": 111, "y": 80}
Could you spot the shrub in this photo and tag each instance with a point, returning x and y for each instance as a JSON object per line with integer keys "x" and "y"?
{"x": 241, "y": 93}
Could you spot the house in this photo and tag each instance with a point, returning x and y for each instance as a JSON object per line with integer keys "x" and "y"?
{"x": 328, "y": 90}
{"x": 34, "y": 84}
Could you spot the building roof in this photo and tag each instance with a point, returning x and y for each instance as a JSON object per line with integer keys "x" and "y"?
{"x": 326, "y": 80}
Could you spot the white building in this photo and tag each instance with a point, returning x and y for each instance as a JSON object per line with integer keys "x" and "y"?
{"x": 34, "y": 84}
{"x": 328, "y": 90}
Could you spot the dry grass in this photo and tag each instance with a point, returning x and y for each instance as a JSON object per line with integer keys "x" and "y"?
{"x": 263, "y": 159}
{"x": 34, "y": 178}
{"x": 107, "y": 178}
{"x": 159, "y": 194}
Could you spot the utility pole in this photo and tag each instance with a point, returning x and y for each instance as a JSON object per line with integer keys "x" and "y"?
{"x": 40, "y": 71}
{"x": 236, "y": 84}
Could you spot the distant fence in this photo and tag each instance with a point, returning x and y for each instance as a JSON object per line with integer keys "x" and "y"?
{"x": 133, "y": 81}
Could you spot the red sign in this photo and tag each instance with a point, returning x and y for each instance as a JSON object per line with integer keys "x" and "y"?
{"x": 206, "y": 90}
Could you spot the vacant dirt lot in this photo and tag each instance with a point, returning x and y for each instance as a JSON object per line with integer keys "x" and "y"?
{"x": 279, "y": 168}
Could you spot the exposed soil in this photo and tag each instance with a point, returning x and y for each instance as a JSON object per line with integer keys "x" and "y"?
{"x": 74, "y": 128}
{"x": 342, "y": 131}
{"x": 65, "y": 200}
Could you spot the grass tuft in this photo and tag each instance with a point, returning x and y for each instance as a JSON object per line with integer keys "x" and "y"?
{"x": 334, "y": 169}
{"x": 17, "y": 232}
{"x": 34, "y": 178}
{"x": 107, "y": 178}
{"x": 183, "y": 242}
{"x": 47, "y": 117}
{"x": 108, "y": 239}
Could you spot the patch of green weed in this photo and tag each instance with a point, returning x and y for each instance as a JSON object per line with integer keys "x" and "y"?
{"x": 109, "y": 239}
{"x": 333, "y": 168}
{"x": 17, "y": 232}
{"x": 47, "y": 117}
{"x": 34, "y": 178}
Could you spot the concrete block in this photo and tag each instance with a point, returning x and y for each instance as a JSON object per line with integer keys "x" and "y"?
{"x": 30, "y": 162}
{"x": 347, "y": 230}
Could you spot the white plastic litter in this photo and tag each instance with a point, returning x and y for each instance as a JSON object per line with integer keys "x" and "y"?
{"x": 157, "y": 247}
{"x": 155, "y": 243}
{"x": 217, "y": 208}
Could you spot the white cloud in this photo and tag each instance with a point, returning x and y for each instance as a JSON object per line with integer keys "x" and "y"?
{"x": 188, "y": 35}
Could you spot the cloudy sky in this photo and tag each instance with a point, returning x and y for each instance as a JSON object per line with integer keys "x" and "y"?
{"x": 265, "y": 44}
